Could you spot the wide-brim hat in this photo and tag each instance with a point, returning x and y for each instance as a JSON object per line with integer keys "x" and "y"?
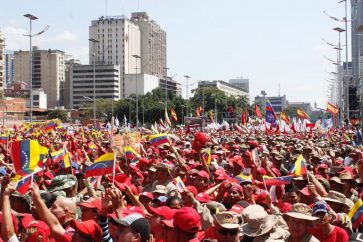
{"x": 300, "y": 216}
{"x": 254, "y": 228}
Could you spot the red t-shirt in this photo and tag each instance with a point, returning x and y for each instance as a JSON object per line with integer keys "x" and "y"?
{"x": 336, "y": 235}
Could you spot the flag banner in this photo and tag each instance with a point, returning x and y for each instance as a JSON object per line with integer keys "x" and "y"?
{"x": 180, "y": 185}
{"x": 3, "y": 139}
{"x": 207, "y": 156}
{"x": 284, "y": 117}
{"x": 23, "y": 184}
{"x": 167, "y": 120}
{"x": 270, "y": 114}
{"x": 258, "y": 111}
{"x": 299, "y": 167}
{"x": 158, "y": 139}
{"x": 102, "y": 166}
{"x": 332, "y": 109}
{"x": 277, "y": 181}
{"x": 241, "y": 178}
{"x": 173, "y": 115}
{"x": 301, "y": 113}
{"x": 130, "y": 153}
{"x": 26, "y": 155}
{"x": 57, "y": 156}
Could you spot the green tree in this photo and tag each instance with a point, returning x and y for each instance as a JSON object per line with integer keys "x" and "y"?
{"x": 58, "y": 114}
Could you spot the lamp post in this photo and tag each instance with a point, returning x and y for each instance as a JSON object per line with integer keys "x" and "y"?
{"x": 94, "y": 41}
{"x": 30, "y": 35}
{"x": 187, "y": 92}
{"x": 340, "y": 82}
{"x": 166, "y": 88}
{"x": 137, "y": 95}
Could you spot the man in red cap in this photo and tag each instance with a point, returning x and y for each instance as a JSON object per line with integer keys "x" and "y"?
{"x": 187, "y": 225}
{"x": 158, "y": 214}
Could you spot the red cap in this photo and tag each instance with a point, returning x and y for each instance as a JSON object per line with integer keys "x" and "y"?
{"x": 187, "y": 219}
{"x": 163, "y": 211}
{"x": 92, "y": 203}
{"x": 38, "y": 230}
{"x": 261, "y": 198}
{"x": 88, "y": 228}
{"x": 285, "y": 207}
{"x": 203, "y": 197}
{"x": 323, "y": 166}
{"x": 253, "y": 143}
{"x": 203, "y": 174}
{"x": 262, "y": 171}
{"x": 222, "y": 177}
{"x": 147, "y": 194}
{"x": 193, "y": 190}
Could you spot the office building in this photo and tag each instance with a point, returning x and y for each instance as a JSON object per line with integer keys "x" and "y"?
{"x": 107, "y": 83}
{"x": 241, "y": 83}
{"x": 278, "y": 103}
{"x": 171, "y": 85}
{"x": 153, "y": 45}
{"x": 145, "y": 83}
{"x": 9, "y": 68}
{"x": 118, "y": 43}
{"x": 228, "y": 89}
{"x": 48, "y": 72}
{"x": 69, "y": 62}
{"x": 2, "y": 61}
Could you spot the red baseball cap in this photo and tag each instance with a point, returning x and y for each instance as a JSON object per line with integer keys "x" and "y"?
{"x": 147, "y": 194}
{"x": 187, "y": 219}
{"x": 92, "y": 203}
{"x": 36, "y": 230}
{"x": 193, "y": 190}
{"x": 163, "y": 211}
{"x": 88, "y": 228}
{"x": 203, "y": 197}
{"x": 203, "y": 174}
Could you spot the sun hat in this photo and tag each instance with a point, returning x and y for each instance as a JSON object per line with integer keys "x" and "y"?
{"x": 227, "y": 220}
{"x": 259, "y": 223}
{"x": 300, "y": 211}
{"x": 337, "y": 197}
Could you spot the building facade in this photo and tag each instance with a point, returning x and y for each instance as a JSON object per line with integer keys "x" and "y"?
{"x": 107, "y": 83}
{"x": 170, "y": 85}
{"x": 145, "y": 83}
{"x": 241, "y": 83}
{"x": 278, "y": 103}
{"x": 2, "y": 61}
{"x": 48, "y": 72}
{"x": 9, "y": 68}
{"x": 118, "y": 43}
{"x": 153, "y": 45}
{"x": 229, "y": 89}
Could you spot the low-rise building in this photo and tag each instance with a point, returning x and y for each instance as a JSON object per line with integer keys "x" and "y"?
{"x": 145, "y": 83}
{"x": 229, "y": 89}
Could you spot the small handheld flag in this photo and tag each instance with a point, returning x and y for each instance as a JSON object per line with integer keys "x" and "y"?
{"x": 207, "y": 157}
{"x": 158, "y": 139}
{"x": 299, "y": 167}
{"x": 277, "y": 181}
{"x": 102, "y": 166}
{"x": 270, "y": 114}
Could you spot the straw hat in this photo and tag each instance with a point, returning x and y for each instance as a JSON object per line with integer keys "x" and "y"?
{"x": 300, "y": 211}
{"x": 258, "y": 223}
{"x": 337, "y": 197}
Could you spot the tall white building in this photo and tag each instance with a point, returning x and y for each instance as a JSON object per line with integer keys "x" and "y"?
{"x": 2, "y": 61}
{"x": 9, "y": 68}
{"x": 48, "y": 72}
{"x": 118, "y": 44}
{"x": 153, "y": 45}
{"x": 228, "y": 89}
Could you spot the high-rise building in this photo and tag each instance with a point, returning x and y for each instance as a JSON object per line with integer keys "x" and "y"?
{"x": 107, "y": 83}
{"x": 48, "y": 72}
{"x": 9, "y": 68}
{"x": 153, "y": 45}
{"x": 241, "y": 83}
{"x": 2, "y": 60}
{"x": 118, "y": 43}
{"x": 69, "y": 62}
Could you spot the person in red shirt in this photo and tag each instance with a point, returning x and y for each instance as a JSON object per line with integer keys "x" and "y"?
{"x": 324, "y": 230}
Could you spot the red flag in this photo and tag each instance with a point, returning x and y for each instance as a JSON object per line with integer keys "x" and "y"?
{"x": 258, "y": 111}
{"x": 311, "y": 126}
{"x": 277, "y": 130}
{"x": 243, "y": 118}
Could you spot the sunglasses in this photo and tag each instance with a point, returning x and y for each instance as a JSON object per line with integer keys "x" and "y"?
{"x": 231, "y": 232}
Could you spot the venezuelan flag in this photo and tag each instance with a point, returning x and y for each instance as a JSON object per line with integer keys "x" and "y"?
{"x": 130, "y": 153}
{"x": 158, "y": 139}
{"x": 299, "y": 166}
{"x": 207, "y": 157}
{"x": 26, "y": 155}
{"x": 23, "y": 184}
{"x": 356, "y": 213}
{"x": 50, "y": 126}
{"x": 103, "y": 165}
{"x": 57, "y": 156}
{"x": 67, "y": 162}
{"x": 277, "y": 181}
{"x": 243, "y": 178}
{"x": 3, "y": 139}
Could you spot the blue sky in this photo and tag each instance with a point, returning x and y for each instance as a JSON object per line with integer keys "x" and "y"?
{"x": 269, "y": 42}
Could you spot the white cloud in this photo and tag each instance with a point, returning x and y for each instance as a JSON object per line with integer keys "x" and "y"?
{"x": 67, "y": 36}
{"x": 14, "y": 38}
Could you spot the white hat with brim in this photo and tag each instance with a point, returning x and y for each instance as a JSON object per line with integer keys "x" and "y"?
{"x": 226, "y": 220}
{"x": 300, "y": 216}
{"x": 259, "y": 224}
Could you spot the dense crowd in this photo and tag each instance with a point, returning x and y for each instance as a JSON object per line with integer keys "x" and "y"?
{"x": 228, "y": 184}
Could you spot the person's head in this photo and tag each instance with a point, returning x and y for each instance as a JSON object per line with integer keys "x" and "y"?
{"x": 91, "y": 209}
{"x": 234, "y": 195}
{"x": 174, "y": 202}
{"x": 292, "y": 196}
{"x": 65, "y": 183}
{"x": 227, "y": 227}
{"x": 132, "y": 228}
{"x": 64, "y": 209}
{"x": 202, "y": 181}
{"x": 158, "y": 214}
{"x": 20, "y": 203}
{"x": 299, "y": 220}
{"x": 162, "y": 174}
{"x": 186, "y": 223}
{"x": 34, "y": 230}
{"x": 167, "y": 231}
{"x": 320, "y": 211}
{"x": 146, "y": 198}
{"x": 86, "y": 231}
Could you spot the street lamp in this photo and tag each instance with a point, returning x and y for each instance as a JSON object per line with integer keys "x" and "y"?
{"x": 137, "y": 95}
{"x": 187, "y": 77}
{"x": 94, "y": 41}
{"x": 30, "y": 35}
{"x": 166, "y": 87}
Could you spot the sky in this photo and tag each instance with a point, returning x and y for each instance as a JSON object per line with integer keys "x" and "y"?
{"x": 272, "y": 43}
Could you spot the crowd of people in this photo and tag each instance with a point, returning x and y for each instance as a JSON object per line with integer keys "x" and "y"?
{"x": 201, "y": 185}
